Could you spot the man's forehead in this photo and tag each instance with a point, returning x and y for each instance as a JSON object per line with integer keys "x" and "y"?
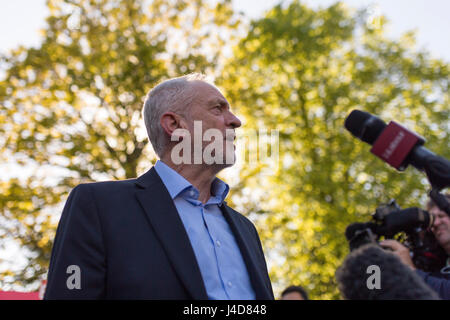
{"x": 218, "y": 100}
{"x": 208, "y": 92}
{"x": 437, "y": 212}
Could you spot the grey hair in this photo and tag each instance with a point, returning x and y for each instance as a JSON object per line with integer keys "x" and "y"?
{"x": 170, "y": 95}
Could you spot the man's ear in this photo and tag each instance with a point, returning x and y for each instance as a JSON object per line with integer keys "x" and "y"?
{"x": 170, "y": 122}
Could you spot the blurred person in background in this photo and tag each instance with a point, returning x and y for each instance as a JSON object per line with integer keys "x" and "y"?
{"x": 439, "y": 281}
{"x": 294, "y": 293}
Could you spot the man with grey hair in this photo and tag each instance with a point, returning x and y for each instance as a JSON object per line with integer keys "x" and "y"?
{"x": 168, "y": 234}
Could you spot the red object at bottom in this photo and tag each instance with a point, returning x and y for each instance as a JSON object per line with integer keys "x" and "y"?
{"x": 13, "y": 295}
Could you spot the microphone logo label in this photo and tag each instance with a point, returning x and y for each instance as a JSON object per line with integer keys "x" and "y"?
{"x": 393, "y": 145}
{"x": 374, "y": 281}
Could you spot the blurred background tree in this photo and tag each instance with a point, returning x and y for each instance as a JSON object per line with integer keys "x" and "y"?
{"x": 71, "y": 109}
{"x": 301, "y": 71}
{"x": 70, "y": 113}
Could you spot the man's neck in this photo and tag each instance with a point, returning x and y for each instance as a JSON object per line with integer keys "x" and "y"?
{"x": 200, "y": 176}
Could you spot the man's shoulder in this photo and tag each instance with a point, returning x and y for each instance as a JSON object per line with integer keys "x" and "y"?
{"x": 239, "y": 215}
{"x": 233, "y": 211}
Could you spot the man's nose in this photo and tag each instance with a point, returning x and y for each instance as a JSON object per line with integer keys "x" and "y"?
{"x": 233, "y": 121}
{"x": 436, "y": 221}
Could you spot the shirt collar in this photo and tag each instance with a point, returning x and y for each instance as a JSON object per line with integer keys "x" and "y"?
{"x": 176, "y": 183}
{"x": 219, "y": 190}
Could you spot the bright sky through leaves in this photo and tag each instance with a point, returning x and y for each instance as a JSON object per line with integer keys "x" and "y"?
{"x": 20, "y": 20}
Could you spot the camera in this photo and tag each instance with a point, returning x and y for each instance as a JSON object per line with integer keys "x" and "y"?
{"x": 409, "y": 226}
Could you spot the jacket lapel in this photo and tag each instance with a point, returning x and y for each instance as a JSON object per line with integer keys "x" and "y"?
{"x": 249, "y": 253}
{"x": 168, "y": 227}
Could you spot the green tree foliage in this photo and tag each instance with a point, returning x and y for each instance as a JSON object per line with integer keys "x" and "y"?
{"x": 71, "y": 109}
{"x": 302, "y": 71}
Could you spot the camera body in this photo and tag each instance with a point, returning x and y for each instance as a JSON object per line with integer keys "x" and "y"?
{"x": 409, "y": 226}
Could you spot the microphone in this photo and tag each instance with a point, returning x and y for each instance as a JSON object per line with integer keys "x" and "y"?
{"x": 359, "y": 234}
{"x": 354, "y": 228}
{"x": 398, "y": 146}
{"x": 396, "y": 280}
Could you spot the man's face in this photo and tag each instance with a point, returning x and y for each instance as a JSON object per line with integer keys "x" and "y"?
{"x": 213, "y": 110}
{"x": 441, "y": 228}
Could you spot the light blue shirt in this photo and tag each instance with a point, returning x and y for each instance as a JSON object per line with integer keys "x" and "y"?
{"x": 221, "y": 264}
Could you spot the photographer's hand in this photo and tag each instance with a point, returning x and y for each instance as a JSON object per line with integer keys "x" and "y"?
{"x": 400, "y": 251}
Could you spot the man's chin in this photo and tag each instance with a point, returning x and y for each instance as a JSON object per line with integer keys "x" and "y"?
{"x": 227, "y": 164}
{"x": 442, "y": 237}
{"x": 228, "y": 159}
{"x": 232, "y": 161}
{"x": 220, "y": 166}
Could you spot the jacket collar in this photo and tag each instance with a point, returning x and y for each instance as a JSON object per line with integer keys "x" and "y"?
{"x": 249, "y": 246}
{"x": 168, "y": 227}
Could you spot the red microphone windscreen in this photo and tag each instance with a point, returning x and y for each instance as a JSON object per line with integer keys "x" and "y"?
{"x": 395, "y": 143}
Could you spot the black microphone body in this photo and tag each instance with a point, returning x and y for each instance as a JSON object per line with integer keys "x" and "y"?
{"x": 398, "y": 146}
{"x": 397, "y": 281}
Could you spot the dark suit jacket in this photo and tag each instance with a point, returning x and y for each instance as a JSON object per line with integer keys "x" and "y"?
{"x": 130, "y": 243}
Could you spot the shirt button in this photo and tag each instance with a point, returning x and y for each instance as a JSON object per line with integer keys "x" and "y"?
{"x": 229, "y": 284}
{"x": 218, "y": 243}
